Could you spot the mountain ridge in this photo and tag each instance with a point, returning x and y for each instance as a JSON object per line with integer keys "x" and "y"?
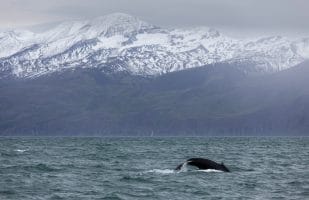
{"x": 139, "y": 48}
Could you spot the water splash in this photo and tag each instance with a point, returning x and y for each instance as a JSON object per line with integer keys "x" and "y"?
{"x": 209, "y": 170}
{"x": 161, "y": 171}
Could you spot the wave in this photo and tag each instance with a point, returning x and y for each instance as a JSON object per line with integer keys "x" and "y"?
{"x": 12, "y": 153}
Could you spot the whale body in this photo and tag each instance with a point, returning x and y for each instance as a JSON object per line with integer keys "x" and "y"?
{"x": 202, "y": 163}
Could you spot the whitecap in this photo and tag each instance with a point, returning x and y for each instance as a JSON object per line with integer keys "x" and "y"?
{"x": 20, "y": 150}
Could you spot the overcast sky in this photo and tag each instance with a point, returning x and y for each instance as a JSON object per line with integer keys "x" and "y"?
{"x": 270, "y": 15}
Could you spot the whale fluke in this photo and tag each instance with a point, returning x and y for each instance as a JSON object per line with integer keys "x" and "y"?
{"x": 202, "y": 163}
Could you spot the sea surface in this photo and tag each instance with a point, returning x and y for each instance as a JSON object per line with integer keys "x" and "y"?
{"x": 143, "y": 168}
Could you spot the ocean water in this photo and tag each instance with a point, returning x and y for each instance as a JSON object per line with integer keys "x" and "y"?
{"x": 142, "y": 168}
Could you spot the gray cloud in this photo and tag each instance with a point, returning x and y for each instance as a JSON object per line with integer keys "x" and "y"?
{"x": 290, "y": 15}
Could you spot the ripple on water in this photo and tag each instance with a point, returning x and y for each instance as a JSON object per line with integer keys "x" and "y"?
{"x": 7, "y": 192}
{"x": 112, "y": 196}
{"x": 56, "y": 197}
{"x": 31, "y": 168}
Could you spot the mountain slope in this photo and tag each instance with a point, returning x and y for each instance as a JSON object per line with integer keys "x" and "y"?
{"x": 214, "y": 100}
{"x": 131, "y": 45}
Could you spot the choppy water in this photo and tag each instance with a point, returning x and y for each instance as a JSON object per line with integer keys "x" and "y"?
{"x": 131, "y": 168}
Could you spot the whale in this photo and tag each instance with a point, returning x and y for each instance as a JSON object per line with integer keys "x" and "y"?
{"x": 203, "y": 164}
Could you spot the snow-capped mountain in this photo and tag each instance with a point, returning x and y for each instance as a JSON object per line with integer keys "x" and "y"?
{"x": 120, "y": 42}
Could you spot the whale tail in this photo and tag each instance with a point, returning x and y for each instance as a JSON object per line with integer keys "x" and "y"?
{"x": 224, "y": 167}
{"x": 202, "y": 163}
{"x": 179, "y": 166}
{"x": 182, "y": 166}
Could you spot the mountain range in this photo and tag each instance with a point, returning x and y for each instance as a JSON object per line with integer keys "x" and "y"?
{"x": 120, "y": 42}
{"x": 118, "y": 75}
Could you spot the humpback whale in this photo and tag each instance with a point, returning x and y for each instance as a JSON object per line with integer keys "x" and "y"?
{"x": 202, "y": 163}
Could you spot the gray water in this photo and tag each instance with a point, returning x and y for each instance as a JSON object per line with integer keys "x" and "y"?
{"x": 142, "y": 168}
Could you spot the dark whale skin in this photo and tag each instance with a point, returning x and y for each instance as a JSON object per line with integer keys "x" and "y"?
{"x": 202, "y": 163}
